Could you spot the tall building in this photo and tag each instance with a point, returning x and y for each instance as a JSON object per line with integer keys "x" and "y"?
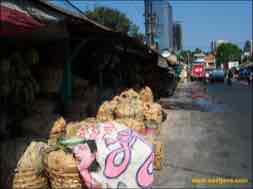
{"x": 248, "y": 48}
{"x": 177, "y": 36}
{"x": 163, "y": 36}
{"x": 216, "y": 43}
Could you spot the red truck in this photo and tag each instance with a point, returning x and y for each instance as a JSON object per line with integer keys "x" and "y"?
{"x": 197, "y": 70}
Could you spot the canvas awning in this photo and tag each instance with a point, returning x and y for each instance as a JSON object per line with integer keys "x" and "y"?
{"x": 24, "y": 16}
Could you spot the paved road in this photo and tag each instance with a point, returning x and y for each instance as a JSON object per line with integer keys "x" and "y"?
{"x": 208, "y": 133}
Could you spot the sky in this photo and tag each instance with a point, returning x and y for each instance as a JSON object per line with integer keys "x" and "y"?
{"x": 202, "y": 21}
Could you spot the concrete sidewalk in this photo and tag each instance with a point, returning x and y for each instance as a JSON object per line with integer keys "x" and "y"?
{"x": 201, "y": 144}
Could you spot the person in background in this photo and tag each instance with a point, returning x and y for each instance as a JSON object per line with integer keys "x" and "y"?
{"x": 230, "y": 76}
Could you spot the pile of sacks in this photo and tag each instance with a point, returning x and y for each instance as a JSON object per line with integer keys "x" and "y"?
{"x": 87, "y": 154}
{"x": 113, "y": 150}
{"x": 135, "y": 109}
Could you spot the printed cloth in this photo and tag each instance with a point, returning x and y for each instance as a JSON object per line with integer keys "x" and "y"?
{"x": 125, "y": 158}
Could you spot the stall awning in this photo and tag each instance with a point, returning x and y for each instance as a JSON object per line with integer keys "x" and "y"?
{"x": 15, "y": 20}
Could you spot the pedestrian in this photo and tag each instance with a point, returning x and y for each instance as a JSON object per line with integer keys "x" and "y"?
{"x": 230, "y": 76}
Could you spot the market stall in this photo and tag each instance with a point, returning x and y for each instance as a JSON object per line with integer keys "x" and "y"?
{"x": 63, "y": 64}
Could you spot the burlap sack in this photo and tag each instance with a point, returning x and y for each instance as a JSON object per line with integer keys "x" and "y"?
{"x": 29, "y": 172}
{"x": 146, "y": 95}
{"x": 61, "y": 168}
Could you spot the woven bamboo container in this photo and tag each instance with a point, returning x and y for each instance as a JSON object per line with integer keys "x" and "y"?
{"x": 29, "y": 172}
{"x": 29, "y": 179}
{"x": 62, "y": 171}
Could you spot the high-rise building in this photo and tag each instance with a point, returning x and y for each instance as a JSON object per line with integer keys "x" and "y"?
{"x": 177, "y": 36}
{"x": 162, "y": 11}
{"x": 216, "y": 43}
{"x": 248, "y": 48}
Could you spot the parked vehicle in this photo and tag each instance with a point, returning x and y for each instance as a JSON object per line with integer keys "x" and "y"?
{"x": 217, "y": 75}
{"x": 197, "y": 70}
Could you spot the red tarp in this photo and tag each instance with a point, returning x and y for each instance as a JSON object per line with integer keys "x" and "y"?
{"x": 13, "y": 21}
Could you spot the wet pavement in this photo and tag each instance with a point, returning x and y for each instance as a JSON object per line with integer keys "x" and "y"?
{"x": 207, "y": 134}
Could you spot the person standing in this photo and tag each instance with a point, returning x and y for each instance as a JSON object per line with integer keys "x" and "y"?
{"x": 230, "y": 76}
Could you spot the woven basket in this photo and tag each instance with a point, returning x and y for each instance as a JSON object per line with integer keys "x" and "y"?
{"x": 62, "y": 170}
{"x": 29, "y": 179}
{"x": 29, "y": 171}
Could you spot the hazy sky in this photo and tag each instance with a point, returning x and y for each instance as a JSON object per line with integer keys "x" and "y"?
{"x": 202, "y": 21}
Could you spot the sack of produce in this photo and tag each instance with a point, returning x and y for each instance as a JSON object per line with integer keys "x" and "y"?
{"x": 138, "y": 126}
{"x": 61, "y": 169}
{"x": 57, "y": 130}
{"x": 146, "y": 95}
{"x": 125, "y": 158}
{"x": 130, "y": 108}
{"x": 29, "y": 172}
